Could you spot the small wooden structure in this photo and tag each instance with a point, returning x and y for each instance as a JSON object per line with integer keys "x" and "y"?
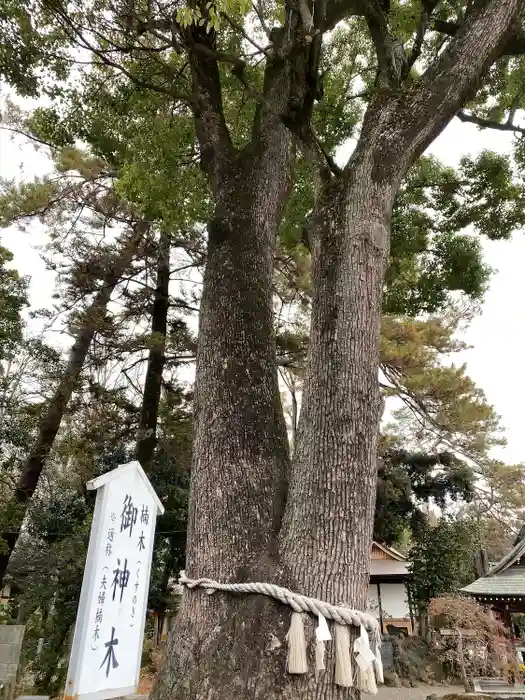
{"x": 389, "y": 590}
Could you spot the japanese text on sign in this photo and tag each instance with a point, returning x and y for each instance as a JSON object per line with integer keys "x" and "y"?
{"x": 108, "y": 639}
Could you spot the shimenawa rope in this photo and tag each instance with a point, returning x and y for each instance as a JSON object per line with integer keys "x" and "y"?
{"x": 368, "y": 660}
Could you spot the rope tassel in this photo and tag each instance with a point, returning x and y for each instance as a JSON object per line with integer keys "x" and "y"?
{"x": 378, "y": 663}
{"x": 367, "y": 681}
{"x": 365, "y": 660}
{"x": 343, "y": 662}
{"x": 297, "y": 663}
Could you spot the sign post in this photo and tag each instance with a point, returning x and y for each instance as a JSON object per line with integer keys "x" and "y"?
{"x": 109, "y": 631}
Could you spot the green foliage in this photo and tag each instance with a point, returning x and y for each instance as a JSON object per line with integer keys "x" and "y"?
{"x": 28, "y": 371}
{"x": 145, "y": 166}
{"x": 6, "y": 617}
{"x": 98, "y": 437}
{"x": 501, "y": 96}
{"x": 13, "y": 299}
{"x": 431, "y": 254}
{"x": 442, "y": 559}
{"x": 27, "y": 199}
{"x": 438, "y": 217}
{"x": 31, "y": 50}
{"x": 50, "y": 603}
{"x": 408, "y": 481}
{"x": 170, "y": 478}
{"x": 441, "y": 403}
{"x": 125, "y": 150}
{"x": 338, "y": 114}
{"x": 154, "y": 155}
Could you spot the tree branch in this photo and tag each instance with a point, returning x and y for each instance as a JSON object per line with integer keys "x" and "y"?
{"x": 390, "y": 53}
{"x": 235, "y": 25}
{"x": 514, "y": 46}
{"x": 444, "y": 27}
{"x": 426, "y": 10}
{"x": 81, "y": 41}
{"x": 515, "y": 105}
{"x": 422, "y": 112}
{"x": 306, "y": 15}
{"x": 337, "y": 10}
{"x": 489, "y": 124}
{"x": 325, "y": 156}
{"x": 257, "y": 6}
{"x": 212, "y": 130}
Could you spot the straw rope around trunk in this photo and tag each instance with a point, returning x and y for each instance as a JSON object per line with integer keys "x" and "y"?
{"x": 369, "y": 659}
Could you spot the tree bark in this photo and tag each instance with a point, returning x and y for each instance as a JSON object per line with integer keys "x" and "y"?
{"x": 241, "y": 454}
{"x": 147, "y": 430}
{"x": 52, "y": 417}
{"x": 327, "y": 530}
{"x": 332, "y": 483}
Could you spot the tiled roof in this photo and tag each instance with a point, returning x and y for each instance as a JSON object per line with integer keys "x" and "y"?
{"x": 504, "y": 579}
{"x": 510, "y": 582}
{"x": 509, "y": 559}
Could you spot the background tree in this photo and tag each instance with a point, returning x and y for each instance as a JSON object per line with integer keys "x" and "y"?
{"x": 13, "y": 299}
{"x": 407, "y": 482}
{"x": 51, "y": 418}
{"x": 53, "y": 545}
{"x": 92, "y": 266}
{"x": 486, "y": 653}
{"x": 442, "y": 561}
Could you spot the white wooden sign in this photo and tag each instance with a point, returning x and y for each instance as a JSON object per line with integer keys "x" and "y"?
{"x": 109, "y": 631}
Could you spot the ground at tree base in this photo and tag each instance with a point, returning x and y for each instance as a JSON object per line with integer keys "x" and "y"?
{"x": 400, "y": 694}
{"x": 475, "y": 696}
{"x": 422, "y": 693}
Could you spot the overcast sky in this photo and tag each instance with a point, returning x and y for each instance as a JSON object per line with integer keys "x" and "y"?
{"x": 494, "y": 361}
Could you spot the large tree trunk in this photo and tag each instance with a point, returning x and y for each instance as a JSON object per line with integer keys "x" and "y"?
{"x": 240, "y": 461}
{"x": 52, "y": 417}
{"x": 241, "y": 454}
{"x": 224, "y": 646}
{"x": 147, "y": 430}
{"x": 327, "y": 530}
{"x": 327, "y": 533}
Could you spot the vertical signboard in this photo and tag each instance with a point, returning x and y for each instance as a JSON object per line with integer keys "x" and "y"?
{"x": 109, "y": 631}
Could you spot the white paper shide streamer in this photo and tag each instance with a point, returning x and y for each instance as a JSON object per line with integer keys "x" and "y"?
{"x": 322, "y": 635}
{"x": 367, "y": 657}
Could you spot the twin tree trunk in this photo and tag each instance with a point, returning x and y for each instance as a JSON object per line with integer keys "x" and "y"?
{"x": 253, "y": 516}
